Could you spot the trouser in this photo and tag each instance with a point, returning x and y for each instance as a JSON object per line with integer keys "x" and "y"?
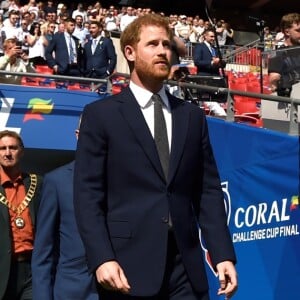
{"x": 19, "y": 285}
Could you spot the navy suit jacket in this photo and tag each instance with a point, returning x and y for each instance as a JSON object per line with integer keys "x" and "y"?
{"x": 103, "y": 62}
{"x": 122, "y": 199}
{"x": 202, "y": 59}
{"x": 59, "y": 263}
{"x": 60, "y": 57}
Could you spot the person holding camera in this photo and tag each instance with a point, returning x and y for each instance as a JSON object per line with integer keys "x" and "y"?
{"x": 13, "y": 60}
{"x": 37, "y": 43}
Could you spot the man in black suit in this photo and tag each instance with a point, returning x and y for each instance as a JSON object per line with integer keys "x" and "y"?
{"x": 64, "y": 52}
{"x": 19, "y": 201}
{"x": 99, "y": 53}
{"x": 145, "y": 178}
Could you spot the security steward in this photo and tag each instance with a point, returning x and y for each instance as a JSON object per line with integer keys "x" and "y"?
{"x": 19, "y": 200}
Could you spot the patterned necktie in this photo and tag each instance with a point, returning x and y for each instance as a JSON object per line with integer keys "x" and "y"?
{"x": 160, "y": 134}
{"x": 213, "y": 51}
{"x": 72, "y": 56}
{"x": 94, "y": 45}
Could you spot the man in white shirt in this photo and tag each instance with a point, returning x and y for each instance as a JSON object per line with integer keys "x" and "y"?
{"x": 80, "y": 12}
{"x": 10, "y": 28}
{"x": 127, "y": 18}
{"x": 80, "y": 31}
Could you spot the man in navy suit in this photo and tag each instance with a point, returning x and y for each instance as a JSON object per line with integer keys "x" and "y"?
{"x": 139, "y": 200}
{"x": 205, "y": 55}
{"x": 100, "y": 57}
{"x": 59, "y": 262}
{"x": 208, "y": 64}
{"x": 64, "y": 52}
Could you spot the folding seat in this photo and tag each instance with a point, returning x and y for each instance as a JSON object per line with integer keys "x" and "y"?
{"x": 30, "y": 81}
{"x": 43, "y": 69}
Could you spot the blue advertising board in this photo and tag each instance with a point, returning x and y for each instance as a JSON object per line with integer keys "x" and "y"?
{"x": 259, "y": 170}
{"x": 43, "y": 117}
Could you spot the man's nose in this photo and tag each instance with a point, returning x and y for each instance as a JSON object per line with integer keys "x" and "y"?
{"x": 7, "y": 151}
{"x": 162, "y": 49}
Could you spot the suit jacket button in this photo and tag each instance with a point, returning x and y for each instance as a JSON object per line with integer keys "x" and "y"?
{"x": 164, "y": 219}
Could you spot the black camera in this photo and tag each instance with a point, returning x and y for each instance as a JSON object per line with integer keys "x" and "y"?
{"x": 284, "y": 92}
{"x": 19, "y": 44}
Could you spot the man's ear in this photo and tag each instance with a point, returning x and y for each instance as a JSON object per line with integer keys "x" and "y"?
{"x": 287, "y": 32}
{"x": 129, "y": 53}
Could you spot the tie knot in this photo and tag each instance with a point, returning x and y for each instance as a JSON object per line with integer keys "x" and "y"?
{"x": 157, "y": 99}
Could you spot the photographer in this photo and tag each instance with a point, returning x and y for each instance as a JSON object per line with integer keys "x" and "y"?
{"x": 14, "y": 60}
{"x": 284, "y": 68}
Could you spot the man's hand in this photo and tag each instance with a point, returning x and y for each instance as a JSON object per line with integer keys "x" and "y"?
{"x": 215, "y": 61}
{"x": 274, "y": 78}
{"x": 111, "y": 276}
{"x": 227, "y": 278}
{"x": 14, "y": 51}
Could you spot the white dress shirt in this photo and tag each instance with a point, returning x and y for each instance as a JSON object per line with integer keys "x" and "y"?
{"x": 143, "y": 98}
{"x": 69, "y": 37}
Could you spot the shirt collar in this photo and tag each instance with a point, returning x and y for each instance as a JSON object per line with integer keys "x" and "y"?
{"x": 68, "y": 35}
{"x": 4, "y": 178}
{"x": 208, "y": 45}
{"x": 143, "y": 96}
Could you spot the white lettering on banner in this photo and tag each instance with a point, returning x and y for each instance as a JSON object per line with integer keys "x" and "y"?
{"x": 7, "y": 104}
{"x": 266, "y": 233}
{"x": 261, "y": 214}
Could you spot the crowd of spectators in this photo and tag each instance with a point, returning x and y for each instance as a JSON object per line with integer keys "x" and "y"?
{"x": 34, "y": 24}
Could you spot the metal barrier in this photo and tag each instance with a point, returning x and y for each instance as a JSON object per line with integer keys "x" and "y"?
{"x": 293, "y": 122}
{"x": 93, "y": 82}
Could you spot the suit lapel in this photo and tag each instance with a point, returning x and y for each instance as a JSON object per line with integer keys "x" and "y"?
{"x": 134, "y": 116}
{"x": 180, "y": 123}
{"x": 99, "y": 43}
{"x": 208, "y": 50}
{"x": 3, "y": 209}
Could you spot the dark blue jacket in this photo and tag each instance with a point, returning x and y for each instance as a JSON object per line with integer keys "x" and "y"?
{"x": 59, "y": 268}
{"x": 103, "y": 62}
{"x": 202, "y": 59}
{"x": 56, "y": 53}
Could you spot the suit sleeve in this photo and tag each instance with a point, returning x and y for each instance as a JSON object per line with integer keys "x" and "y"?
{"x": 45, "y": 246}
{"x": 49, "y": 52}
{"x": 212, "y": 214}
{"x": 90, "y": 181}
{"x": 111, "y": 53}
